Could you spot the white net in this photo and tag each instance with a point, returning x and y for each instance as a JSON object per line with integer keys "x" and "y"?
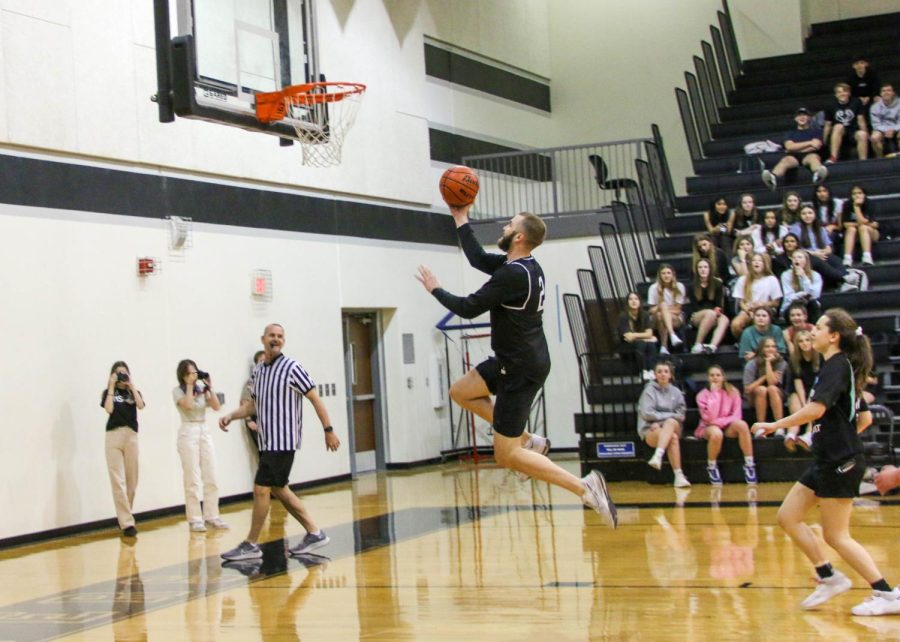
{"x": 322, "y": 116}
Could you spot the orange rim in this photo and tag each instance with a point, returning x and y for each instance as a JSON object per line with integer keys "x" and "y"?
{"x": 270, "y": 106}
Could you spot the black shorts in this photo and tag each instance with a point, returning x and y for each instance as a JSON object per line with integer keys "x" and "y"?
{"x": 825, "y": 480}
{"x": 274, "y": 468}
{"x": 489, "y": 369}
{"x": 515, "y": 392}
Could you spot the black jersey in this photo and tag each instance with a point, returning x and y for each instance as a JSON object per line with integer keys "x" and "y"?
{"x": 834, "y": 436}
{"x": 514, "y": 295}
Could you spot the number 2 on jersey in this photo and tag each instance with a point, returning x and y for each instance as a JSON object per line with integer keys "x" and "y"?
{"x": 540, "y": 307}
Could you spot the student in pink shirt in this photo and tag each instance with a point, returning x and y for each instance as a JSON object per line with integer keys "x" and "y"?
{"x": 720, "y": 416}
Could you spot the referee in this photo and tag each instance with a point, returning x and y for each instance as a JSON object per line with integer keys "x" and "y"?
{"x": 278, "y": 385}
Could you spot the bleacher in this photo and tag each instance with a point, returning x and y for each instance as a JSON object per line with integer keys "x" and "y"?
{"x": 729, "y": 103}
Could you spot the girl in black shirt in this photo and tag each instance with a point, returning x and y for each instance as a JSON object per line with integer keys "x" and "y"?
{"x": 858, "y": 221}
{"x": 719, "y": 222}
{"x": 121, "y": 401}
{"x": 636, "y": 335}
{"x": 804, "y": 370}
{"x": 839, "y": 414}
{"x": 707, "y": 299}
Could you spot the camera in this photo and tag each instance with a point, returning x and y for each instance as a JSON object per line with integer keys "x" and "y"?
{"x": 202, "y": 376}
{"x": 122, "y": 376}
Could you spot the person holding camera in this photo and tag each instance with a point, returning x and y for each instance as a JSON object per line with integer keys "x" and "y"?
{"x": 121, "y": 401}
{"x": 193, "y": 395}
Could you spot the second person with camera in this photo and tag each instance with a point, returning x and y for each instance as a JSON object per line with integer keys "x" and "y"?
{"x": 192, "y": 396}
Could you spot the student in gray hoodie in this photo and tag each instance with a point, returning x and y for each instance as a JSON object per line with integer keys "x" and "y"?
{"x": 885, "y": 116}
{"x": 661, "y": 411}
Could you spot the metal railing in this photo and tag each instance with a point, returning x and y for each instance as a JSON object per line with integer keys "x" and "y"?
{"x": 555, "y": 180}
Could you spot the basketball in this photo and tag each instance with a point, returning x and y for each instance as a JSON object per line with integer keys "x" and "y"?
{"x": 459, "y": 186}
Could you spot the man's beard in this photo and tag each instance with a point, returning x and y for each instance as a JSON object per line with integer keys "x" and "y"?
{"x": 504, "y": 242}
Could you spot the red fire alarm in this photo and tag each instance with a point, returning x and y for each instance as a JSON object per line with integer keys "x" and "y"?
{"x": 146, "y": 266}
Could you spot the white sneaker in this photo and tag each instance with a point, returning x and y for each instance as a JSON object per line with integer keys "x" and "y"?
{"x": 779, "y": 432}
{"x": 218, "y": 523}
{"x": 881, "y": 603}
{"x": 769, "y": 179}
{"x": 828, "y": 588}
{"x": 710, "y": 348}
{"x": 664, "y": 351}
{"x": 596, "y": 496}
{"x": 540, "y": 445}
{"x": 759, "y": 433}
{"x": 820, "y": 175}
{"x": 681, "y": 481}
{"x": 697, "y": 349}
{"x": 655, "y": 461}
{"x": 867, "y": 259}
{"x": 848, "y": 260}
{"x": 675, "y": 340}
{"x": 197, "y": 526}
{"x": 805, "y": 441}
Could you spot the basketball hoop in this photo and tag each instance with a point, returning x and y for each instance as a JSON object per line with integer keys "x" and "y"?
{"x": 321, "y": 112}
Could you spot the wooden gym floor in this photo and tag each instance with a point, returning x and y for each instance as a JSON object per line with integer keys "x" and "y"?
{"x": 454, "y": 552}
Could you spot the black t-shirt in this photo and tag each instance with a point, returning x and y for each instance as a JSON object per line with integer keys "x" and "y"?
{"x": 627, "y": 324}
{"x": 845, "y": 114}
{"x": 865, "y": 87}
{"x": 715, "y": 299}
{"x": 514, "y": 295}
{"x": 835, "y": 439}
{"x": 807, "y": 375}
{"x": 124, "y": 410}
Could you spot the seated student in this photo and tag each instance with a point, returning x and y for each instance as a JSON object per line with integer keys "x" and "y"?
{"x": 828, "y": 208}
{"x": 817, "y": 241}
{"x": 764, "y": 380}
{"x": 858, "y": 220}
{"x": 885, "y": 117}
{"x": 801, "y": 284}
{"x": 803, "y": 145}
{"x": 743, "y": 253}
{"x": 784, "y": 261}
{"x": 666, "y": 298}
{"x": 661, "y": 411}
{"x": 707, "y": 299}
{"x": 762, "y": 328}
{"x": 771, "y": 232}
{"x": 845, "y": 122}
{"x": 636, "y": 335}
{"x": 719, "y": 222}
{"x": 759, "y": 289}
{"x": 804, "y": 370}
{"x": 864, "y": 84}
{"x": 704, "y": 249}
{"x": 798, "y": 321}
{"x": 746, "y": 217}
{"x": 721, "y": 416}
{"x": 790, "y": 209}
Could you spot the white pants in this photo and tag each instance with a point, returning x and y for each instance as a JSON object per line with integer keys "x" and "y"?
{"x": 198, "y": 462}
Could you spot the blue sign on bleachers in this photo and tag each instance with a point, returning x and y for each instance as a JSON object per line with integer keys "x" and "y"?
{"x": 615, "y": 450}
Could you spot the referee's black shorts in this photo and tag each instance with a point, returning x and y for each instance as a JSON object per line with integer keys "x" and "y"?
{"x": 274, "y": 468}
{"x": 515, "y": 392}
{"x": 827, "y": 481}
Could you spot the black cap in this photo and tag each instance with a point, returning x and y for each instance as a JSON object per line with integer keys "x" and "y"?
{"x": 802, "y": 110}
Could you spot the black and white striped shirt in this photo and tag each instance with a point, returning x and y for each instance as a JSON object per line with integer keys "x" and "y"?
{"x": 278, "y": 389}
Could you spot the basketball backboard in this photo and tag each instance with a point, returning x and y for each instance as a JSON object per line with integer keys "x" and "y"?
{"x": 217, "y": 54}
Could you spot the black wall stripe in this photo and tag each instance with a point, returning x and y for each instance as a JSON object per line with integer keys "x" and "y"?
{"x": 58, "y": 185}
{"x": 450, "y": 148}
{"x": 460, "y": 70}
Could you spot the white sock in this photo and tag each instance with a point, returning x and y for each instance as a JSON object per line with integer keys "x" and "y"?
{"x": 677, "y": 471}
{"x": 710, "y": 463}
{"x": 659, "y": 453}
{"x": 749, "y": 460}
{"x": 317, "y": 533}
